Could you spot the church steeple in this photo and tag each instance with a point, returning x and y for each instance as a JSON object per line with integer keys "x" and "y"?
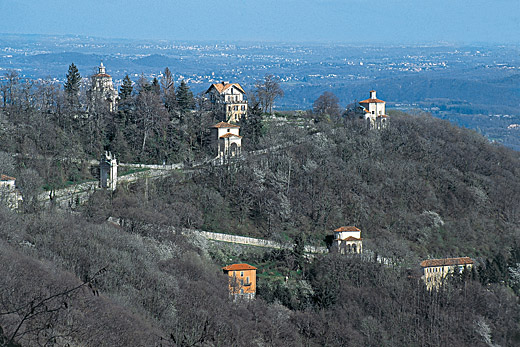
{"x": 101, "y": 69}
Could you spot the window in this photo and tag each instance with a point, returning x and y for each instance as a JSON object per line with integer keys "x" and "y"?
{"x": 229, "y": 130}
{"x": 241, "y": 273}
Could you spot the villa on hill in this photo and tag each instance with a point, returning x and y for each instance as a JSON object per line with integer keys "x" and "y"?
{"x": 436, "y": 270}
{"x": 242, "y": 281}
{"x": 229, "y": 100}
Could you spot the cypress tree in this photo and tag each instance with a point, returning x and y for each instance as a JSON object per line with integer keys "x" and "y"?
{"x": 185, "y": 100}
{"x": 72, "y": 84}
{"x": 125, "y": 91}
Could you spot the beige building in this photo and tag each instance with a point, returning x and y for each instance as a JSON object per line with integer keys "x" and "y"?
{"x": 229, "y": 99}
{"x": 375, "y": 113}
{"x": 9, "y": 194}
{"x": 348, "y": 240}
{"x": 102, "y": 90}
{"x": 436, "y": 270}
{"x": 226, "y": 140}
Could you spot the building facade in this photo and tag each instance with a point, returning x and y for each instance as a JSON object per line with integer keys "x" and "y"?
{"x": 9, "y": 194}
{"x": 229, "y": 100}
{"x": 347, "y": 240}
{"x": 226, "y": 139}
{"x": 434, "y": 271}
{"x": 102, "y": 92}
{"x": 374, "y": 111}
{"x": 242, "y": 281}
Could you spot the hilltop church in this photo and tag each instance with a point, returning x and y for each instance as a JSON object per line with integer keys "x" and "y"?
{"x": 102, "y": 91}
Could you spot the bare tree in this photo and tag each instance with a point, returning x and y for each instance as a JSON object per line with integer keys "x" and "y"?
{"x": 268, "y": 91}
{"x": 327, "y": 104}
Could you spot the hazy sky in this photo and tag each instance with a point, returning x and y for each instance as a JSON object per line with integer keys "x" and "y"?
{"x": 371, "y": 21}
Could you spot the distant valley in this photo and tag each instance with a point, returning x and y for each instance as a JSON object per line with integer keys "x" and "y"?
{"x": 473, "y": 86}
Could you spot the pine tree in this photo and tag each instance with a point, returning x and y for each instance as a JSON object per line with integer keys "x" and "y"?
{"x": 72, "y": 85}
{"x": 155, "y": 87}
{"x": 185, "y": 100}
{"x": 168, "y": 89}
{"x": 125, "y": 91}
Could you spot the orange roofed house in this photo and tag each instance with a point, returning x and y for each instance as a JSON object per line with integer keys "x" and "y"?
{"x": 348, "y": 240}
{"x": 375, "y": 112}
{"x": 242, "y": 280}
{"x": 229, "y": 100}
{"x": 226, "y": 140}
{"x": 435, "y": 270}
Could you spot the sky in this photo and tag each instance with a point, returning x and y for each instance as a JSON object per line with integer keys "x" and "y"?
{"x": 345, "y": 21}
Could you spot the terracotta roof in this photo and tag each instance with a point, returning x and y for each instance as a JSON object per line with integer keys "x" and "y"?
{"x": 228, "y": 135}
{"x": 102, "y": 75}
{"x": 383, "y": 116}
{"x": 6, "y": 178}
{"x": 446, "y": 262}
{"x": 347, "y": 229}
{"x": 237, "y": 267}
{"x": 221, "y": 87}
{"x": 369, "y": 101}
{"x": 372, "y": 91}
{"x": 351, "y": 238}
{"x": 225, "y": 125}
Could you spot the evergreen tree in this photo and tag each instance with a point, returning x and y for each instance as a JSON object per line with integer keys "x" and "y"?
{"x": 252, "y": 126}
{"x": 125, "y": 91}
{"x": 168, "y": 89}
{"x": 155, "y": 87}
{"x": 72, "y": 85}
{"x": 185, "y": 100}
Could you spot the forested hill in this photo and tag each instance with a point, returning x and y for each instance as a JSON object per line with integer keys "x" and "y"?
{"x": 420, "y": 188}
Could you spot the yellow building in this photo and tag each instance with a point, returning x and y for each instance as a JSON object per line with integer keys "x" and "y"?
{"x": 242, "y": 280}
{"x": 348, "y": 240}
{"x": 229, "y": 99}
{"x": 436, "y": 270}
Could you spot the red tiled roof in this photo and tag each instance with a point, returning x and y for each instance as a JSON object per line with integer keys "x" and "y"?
{"x": 102, "y": 75}
{"x": 6, "y": 178}
{"x": 221, "y": 87}
{"x": 347, "y": 229}
{"x": 228, "y": 135}
{"x": 351, "y": 238}
{"x": 369, "y": 101}
{"x": 238, "y": 267}
{"x": 446, "y": 262}
{"x": 225, "y": 125}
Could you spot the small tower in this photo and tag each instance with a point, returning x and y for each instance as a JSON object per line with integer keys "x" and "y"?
{"x": 108, "y": 171}
{"x": 348, "y": 240}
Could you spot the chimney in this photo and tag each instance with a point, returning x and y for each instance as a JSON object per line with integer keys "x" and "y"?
{"x": 373, "y": 94}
